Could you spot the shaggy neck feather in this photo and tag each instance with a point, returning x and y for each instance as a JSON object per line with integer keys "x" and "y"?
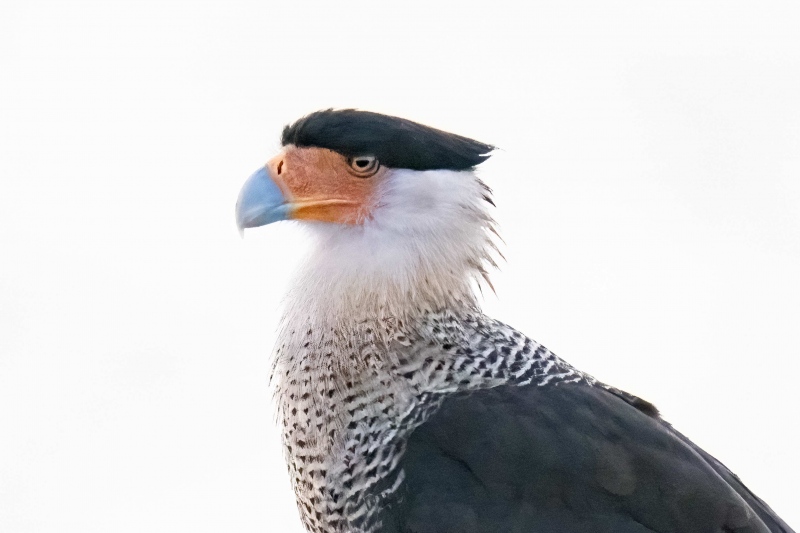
{"x": 424, "y": 247}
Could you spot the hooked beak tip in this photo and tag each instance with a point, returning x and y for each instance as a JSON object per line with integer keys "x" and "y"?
{"x": 260, "y": 202}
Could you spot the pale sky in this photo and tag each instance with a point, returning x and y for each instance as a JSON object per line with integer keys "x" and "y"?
{"x": 648, "y": 190}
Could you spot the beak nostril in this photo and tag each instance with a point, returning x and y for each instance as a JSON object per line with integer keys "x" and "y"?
{"x": 280, "y": 167}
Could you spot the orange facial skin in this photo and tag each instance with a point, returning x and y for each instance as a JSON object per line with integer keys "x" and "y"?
{"x": 321, "y": 185}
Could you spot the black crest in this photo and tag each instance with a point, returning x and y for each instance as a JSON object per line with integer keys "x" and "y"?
{"x": 396, "y": 142}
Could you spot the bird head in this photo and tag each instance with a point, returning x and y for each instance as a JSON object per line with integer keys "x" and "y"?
{"x": 334, "y": 165}
{"x": 396, "y": 202}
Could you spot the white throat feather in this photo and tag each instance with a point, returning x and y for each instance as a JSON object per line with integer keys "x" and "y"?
{"x": 429, "y": 239}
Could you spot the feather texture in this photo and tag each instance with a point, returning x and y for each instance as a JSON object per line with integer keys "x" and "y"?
{"x": 406, "y": 410}
{"x": 396, "y": 142}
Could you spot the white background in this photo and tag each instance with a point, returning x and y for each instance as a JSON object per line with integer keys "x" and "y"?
{"x": 648, "y": 187}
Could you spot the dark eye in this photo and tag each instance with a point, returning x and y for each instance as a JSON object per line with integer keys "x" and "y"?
{"x": 364, "y": 166}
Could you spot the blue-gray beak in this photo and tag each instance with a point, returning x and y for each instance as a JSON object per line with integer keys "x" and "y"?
{"x": 260, "y": 202}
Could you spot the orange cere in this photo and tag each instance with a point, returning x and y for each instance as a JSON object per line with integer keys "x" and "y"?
{"x": 320, "y": 185}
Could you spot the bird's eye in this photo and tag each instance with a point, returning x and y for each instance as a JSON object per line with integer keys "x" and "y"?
{"x": 363, "y": 166}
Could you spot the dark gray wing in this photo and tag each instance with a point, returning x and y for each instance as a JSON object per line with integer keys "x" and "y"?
{"x": 564, "y": 459}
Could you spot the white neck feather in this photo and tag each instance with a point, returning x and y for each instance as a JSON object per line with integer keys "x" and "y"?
{"x": 426, "y": 244}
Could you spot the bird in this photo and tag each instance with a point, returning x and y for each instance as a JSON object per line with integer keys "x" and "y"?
{"x": 405, "y": 409}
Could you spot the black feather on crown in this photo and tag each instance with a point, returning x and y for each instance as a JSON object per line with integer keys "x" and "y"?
{"x": 395, "y": 142}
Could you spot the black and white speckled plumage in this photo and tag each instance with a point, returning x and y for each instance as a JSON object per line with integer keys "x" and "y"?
{"x": 362, "y": 477}
{"x": 405, "y": 409}
{"x": 367, "y": 419}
